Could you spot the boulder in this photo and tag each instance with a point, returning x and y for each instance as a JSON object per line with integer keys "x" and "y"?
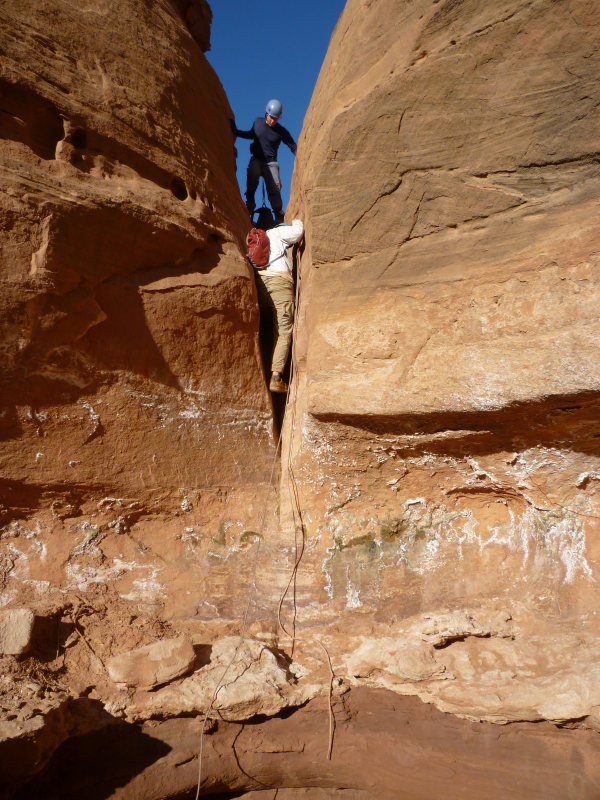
{"x": 243, "y": 680}
{"x": 16, "y": 627}
{"x": 153, "y": 664}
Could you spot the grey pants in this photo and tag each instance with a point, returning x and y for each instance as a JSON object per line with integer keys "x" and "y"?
{"x": 270, "y": 172}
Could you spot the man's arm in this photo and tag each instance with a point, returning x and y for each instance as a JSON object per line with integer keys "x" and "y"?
{"x": 286, "y": 138}
{"x": 289, "y": 234}
{"x": 243, "y": 134}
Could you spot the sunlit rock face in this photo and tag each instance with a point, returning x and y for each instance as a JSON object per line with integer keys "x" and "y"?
{"x": 445, "y": 436}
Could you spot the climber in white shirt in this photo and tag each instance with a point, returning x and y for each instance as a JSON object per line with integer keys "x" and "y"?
{"x": 275, "y": 288}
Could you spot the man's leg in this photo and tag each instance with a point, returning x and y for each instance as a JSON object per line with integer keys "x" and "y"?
{"x": 281, "y": 290}
{"x": 276, "y": 298}
{"x": 273, "y": 183}
{"x": 268, "y": 312}
{"x": 252, "y": 178}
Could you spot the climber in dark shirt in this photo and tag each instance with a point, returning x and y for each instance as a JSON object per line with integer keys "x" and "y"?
{"x": 266, "y": 134}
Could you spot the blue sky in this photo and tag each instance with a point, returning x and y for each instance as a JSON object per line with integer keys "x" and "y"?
{"x": 262, "y": 51}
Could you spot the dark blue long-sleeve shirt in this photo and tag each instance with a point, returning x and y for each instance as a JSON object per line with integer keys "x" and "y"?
{"x": 266, "y": 139}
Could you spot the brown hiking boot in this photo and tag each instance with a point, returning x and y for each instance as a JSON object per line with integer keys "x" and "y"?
{"x": 277, "y": 384}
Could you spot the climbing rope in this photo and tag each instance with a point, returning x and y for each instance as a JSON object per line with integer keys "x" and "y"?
{"x": 297, "y": 520}
{"x": 299, "y": 542}
{"x": 256, "y": 552}
{"x": 244, "y": 622}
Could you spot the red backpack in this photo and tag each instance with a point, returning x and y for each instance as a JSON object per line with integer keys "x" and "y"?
{"x": 257, "y": 243}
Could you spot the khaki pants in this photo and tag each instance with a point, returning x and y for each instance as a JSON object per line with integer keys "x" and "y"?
{"x": 276, "y": 296}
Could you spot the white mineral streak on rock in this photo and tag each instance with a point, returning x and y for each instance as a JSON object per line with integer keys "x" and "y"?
{"x": 146, "y": 588}
{"x": 7, "y": 597}
{"x": 352, "y": 593}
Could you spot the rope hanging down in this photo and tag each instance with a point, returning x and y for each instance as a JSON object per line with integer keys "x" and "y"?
{"x": 244, "y": 623}
{"x": 298, "y": 522}
{"x": 297, "y": 518}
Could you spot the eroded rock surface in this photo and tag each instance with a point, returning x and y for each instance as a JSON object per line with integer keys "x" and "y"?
{"x": 385, "y": 746}
{"x": 135, "y": 424}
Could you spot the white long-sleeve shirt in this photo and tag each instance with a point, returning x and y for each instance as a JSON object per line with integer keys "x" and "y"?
{"x": 280, "y": 238}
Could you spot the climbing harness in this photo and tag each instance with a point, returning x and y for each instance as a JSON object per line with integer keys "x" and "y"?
{"x": 265, "y": 218}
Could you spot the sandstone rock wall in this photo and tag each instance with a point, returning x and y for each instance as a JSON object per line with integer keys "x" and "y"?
{"x": 444, "y": 445}
{"x": 131, "y": 378}
{"x": 136, "y": 431}
{"x": 386, "y": 748}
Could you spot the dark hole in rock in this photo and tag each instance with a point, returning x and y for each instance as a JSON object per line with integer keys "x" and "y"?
{"x": 79, "y": 139}
{"x": 203, "y": 652}
{"x": 178, "y": 189}
{"x": 28, "y": 118}
{"x": 193, "y": 194}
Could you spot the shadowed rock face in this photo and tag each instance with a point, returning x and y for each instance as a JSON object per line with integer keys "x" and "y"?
{"x": 385, "y": 747}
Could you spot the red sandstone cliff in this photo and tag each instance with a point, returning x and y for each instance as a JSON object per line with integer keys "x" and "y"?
{"x": 440, "y": 457}
{"x": 128, "y": 317}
